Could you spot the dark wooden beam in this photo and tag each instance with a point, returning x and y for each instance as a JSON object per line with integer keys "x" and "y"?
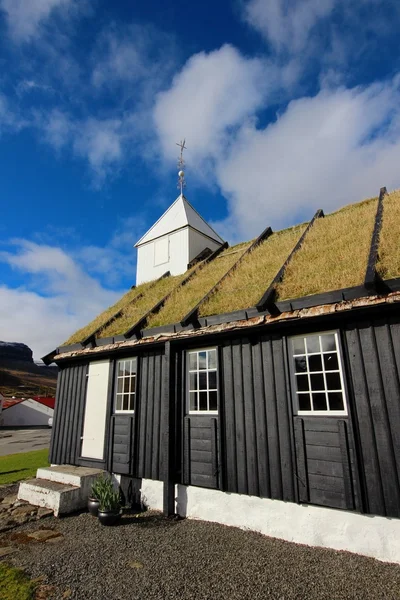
{"x": 192, "y": 315}
{"x": 167, "y": 432}
{"x": 140, "y": 324}
{"x": 48, "y": 359}
{"x": 267, "y": 301}
{"x": 372, "y": 281}
{"x": 90, "y": 338}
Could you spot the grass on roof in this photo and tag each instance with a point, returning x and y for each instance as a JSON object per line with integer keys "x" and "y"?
{"x": 136, "y": 310}
{"x": 388, "y": 266}
{"x": 334, "y": 254}
{"x": 186, "y": 297}
{"x": 103, "y": 317}
{"x": 247, "y": 283}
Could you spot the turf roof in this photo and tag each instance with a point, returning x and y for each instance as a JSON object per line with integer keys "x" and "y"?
{"x": 333, "y": 255}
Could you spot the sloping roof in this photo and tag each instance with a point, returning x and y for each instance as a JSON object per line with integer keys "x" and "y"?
{"x": 48, "y": 401}
{"x": 180, "y": 214}
{"x": 328, "y": 254}
{"x": 45, "y": 401}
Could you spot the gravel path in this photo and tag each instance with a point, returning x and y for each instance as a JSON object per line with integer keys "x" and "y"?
{"x": 150, "y": 557}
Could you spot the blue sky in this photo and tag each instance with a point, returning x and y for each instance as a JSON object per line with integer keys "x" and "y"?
{"x": 286, "y": 106}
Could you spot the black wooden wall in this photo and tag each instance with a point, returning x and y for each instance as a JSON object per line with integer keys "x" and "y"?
{"x": 374, "y": 363}
{"x": 68, "y": 415}
{"x": 256, "y": 424}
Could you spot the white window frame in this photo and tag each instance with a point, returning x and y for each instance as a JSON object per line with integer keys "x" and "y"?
{"x": 340, "y": 370}
{"x": 207, "y": 370}
{"x": 123, "y": 393}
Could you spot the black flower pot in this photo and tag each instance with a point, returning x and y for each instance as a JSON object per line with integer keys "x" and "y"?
{"x": 109, "y": 517}
{"x": 93, "y": 506}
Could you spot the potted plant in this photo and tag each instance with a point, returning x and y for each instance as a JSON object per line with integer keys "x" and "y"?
{"x": 93, "y": 500}
{"x": 109, "y": 503}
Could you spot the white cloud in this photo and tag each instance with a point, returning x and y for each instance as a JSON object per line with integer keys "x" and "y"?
{"x": 287, "y": 25}
{"x": 59, "y": 297}
{"x": 323, "y": 152}
{"x": 24, "y": 17}
{"x": 212, "y": 93}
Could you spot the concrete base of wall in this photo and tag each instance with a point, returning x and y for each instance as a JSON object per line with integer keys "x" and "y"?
{"x": 378, "y": 537}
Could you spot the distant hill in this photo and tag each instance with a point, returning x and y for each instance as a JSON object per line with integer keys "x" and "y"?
{"x": 20, "y": 376}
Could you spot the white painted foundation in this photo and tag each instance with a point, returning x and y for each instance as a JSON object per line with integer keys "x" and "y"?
{"x": 378, "y": 537}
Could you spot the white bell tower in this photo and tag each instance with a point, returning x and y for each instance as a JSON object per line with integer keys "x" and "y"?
{"x": 178, "y": 236}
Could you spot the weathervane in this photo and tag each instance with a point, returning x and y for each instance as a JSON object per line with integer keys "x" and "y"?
{"x": 181, "y": 164}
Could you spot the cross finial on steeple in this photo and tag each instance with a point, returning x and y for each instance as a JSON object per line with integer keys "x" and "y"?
{"x": 181, "y": 164}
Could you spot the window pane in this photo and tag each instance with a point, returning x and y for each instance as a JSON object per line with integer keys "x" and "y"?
{"x": 302, "y": 383}
{"x": 133, "y": 366}
{"x": 126, "y": 384}
{"x": 118, "y": 403}
{"x": 203, "y": 360}
{"x": 120, "y": 385}
{"x": 203, "y": 380}
{"x": 193, "y": 361}
{"x": 319, "y": 401}
{"x": 213, "y": 401}
{"x": 317, "y": 382}
{"x": 331, "y": 362}
{"x": 212, "y": 380}
{"x": 333, "y": 381}
{"x": 298, "y": 345}
{"x": 133, "y": 382}
{"x": 335, "y": 401}
{"x": 300, "y": 364}
{"x": 315, "y": 362}
{"x": 304, "y": 401}
{"x": 120, "y": 367}
{"x": 193, "y": 381}
{"x": 212, "y": 359}
{"x": 328, "y": 342}
{"x": 313, "y": 343}
{"x": 131, "y": 402}
{"x": 203, "y": 400}
{"x": 193, "y": 401}
{"x": 125, "y": 402}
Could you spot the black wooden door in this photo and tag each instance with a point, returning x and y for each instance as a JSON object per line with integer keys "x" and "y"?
{"x": 122, "y": 444}
{"x": 326, "y": 462}
{"x": 200, "y": 451}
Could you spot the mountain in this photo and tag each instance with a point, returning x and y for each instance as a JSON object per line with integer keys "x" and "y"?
{"x": 20, "y": 376}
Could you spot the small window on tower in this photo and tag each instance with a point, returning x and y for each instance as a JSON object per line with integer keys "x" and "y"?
{"x": 161, "y": 251}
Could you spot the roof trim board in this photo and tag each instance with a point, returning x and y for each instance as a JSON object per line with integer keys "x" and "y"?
{"x": 372, "y": 279}
{"x": 181, "y": 214}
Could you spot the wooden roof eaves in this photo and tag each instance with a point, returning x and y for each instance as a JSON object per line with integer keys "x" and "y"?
{"x": 372, "y": 281}
{"x": 89, "y": 339}
{"x": 135, "y": 329}
{"x": 192, "y": 315}
{"x": 267, "y": 301}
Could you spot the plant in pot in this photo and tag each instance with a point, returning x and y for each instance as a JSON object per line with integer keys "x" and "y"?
{"x": 93, "y": 500}
{"x": 109, "y": 503}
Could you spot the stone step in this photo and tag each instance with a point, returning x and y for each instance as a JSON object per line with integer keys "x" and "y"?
{"x": 69, "y": 475}
{"x": 64, "y": 489}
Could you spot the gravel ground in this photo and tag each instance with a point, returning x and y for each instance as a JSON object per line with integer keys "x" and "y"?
{"x": 150, "y": 557}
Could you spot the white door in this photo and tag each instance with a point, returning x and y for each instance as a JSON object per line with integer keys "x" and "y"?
{"x": 95, "y": 410}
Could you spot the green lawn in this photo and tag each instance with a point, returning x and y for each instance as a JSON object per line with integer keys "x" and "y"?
{"x": 14, "y": 584}
{"x": 16, "y": 467}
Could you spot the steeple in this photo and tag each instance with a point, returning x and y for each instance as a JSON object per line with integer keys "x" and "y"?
{"x": 176, "y": 238}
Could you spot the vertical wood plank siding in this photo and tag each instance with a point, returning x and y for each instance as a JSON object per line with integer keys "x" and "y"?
{"x": 68, "y": 415}
{"x": 374, "y": 359}
{"x": 257, "y": 434}
{"x": 149, "y": 451}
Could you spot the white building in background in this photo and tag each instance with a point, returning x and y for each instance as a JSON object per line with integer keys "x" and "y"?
{"x": 178, "y": 236}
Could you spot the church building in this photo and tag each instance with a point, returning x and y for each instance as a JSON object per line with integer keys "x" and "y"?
{"x": 255, "y": 385}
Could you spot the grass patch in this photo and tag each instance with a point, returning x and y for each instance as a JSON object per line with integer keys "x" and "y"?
{"x": 103, "y": 317}
{"x": 15, "y": 467}
{"x": 185, "y": 298}
{"x": 334, "y": 254}
{"x": 15, "y": 585}
{"x": 245, "y": 286}
{"x": 133, "y": 312}
{"x": 388, "y": 265}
